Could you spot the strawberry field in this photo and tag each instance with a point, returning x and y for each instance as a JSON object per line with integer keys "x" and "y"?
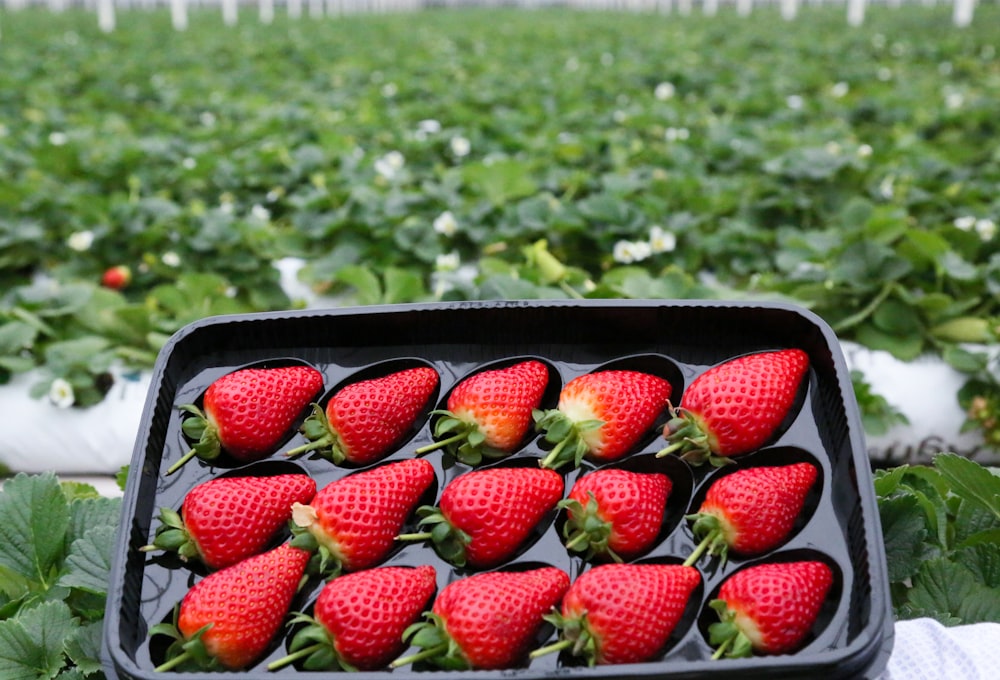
{"x": 150, "y": 178}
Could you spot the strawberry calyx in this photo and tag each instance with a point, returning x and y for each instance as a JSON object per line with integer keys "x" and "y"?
{"x": 324, "y": 441}
{"x": 313, "y": 645}
{"x": 449, "y": 541}
{"x": 200, "y": 428}
{"x": 568, "y": 435}
{"x": 462, "y": 439}
{"x": 726, "y": 636}
{"x": 690, "y": 440}
{"x": 325, "y": 562}
{"x": 711, "y": 532}
{"x": 172, "y": 536}
{"x": 585, "y": 530}
{"x": 185, "y": 652}
{"x": 431, "y": 636}
{"x": 575, "y": 635}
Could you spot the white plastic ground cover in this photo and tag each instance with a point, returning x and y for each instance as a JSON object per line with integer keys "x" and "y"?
{"x": 925, "y": 650}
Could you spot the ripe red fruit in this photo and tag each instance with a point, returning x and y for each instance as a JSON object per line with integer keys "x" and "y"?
{"x": 354, "y": 520}
{"x": 769, "y": 608}
{"x": 230, "y": 617}
{"x": 228, "y": 519}
{"x": 359, "y": 619}
{"x": 364, "y": 420}
{"x": 248, "y": 412}
{"x": 615, "y": 513}
{"x": 751, "y": 511}
{"x": 602, "y": 416}
{"x": 486, "y": 621}
{"x": 735, "y": 407}
{"x": 622, "y": 613}
{"x": 489, "y": 413}
{"x": 486, "y": 515}
{"x": 117, "y": 277}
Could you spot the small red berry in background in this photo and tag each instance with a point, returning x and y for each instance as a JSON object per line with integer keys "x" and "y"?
{"x": 117, "y": 277}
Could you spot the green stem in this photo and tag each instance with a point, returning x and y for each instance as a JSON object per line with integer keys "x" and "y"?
{"x": 185, "y": 458}
{"x": 693, "y": 557}
{"x": 868, "y": 310}
{"x": 428, "y": 653}
{"x": 578, "y": 539}
{"x": 554, "y": 454}
{"x": 670, "y": 449}
{"x": 722, "y": 649}
{"x": 291, "y": 658}
{"x": 569, "y": 290}
{"x": 423, "y": 536}
{"x": 439, "y": 444}
{"x": 552, "y": 648}
{"x": 311, "y": 446}
{"x": 172, "y": 663}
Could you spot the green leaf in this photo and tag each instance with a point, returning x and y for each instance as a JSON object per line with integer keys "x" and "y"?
{"x": 949, "y": 587}
{"x": 904, "y": 531}
{"x": 983, "y": 560}
{"x": 364, "y": 281}
{"x": 34, "y": 519}
{"x": 91, "y": 513}
{"x": 31, "y": 643}
{"x": 500, "y": 181}
{"x": 971, "y": 481}
{"x": 83, "y": 647}
{"x": 88, "y": 563}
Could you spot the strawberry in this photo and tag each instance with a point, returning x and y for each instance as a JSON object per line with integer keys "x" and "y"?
{"x": 622, "y": 613}
{"x": 768, "y": 608}
{"x": 751, "y": 511}
{"x": 360, "y": 619}
{"x": 353, "y": 521}
{"x": 225, "y": 520}
{"x": 229, "y": 618}
{"x": 601, "y": 415}
{"x": 248, "y": 412}
{"x": 735, "y": 407}
{"x": 487, "y": 621}
{"x": 117, "y": 277}
{"x": 615, "y": 513}
{"x": 364, "y": 420}
{"x": 486, "y": 515}
{"x": 489, "y": 413}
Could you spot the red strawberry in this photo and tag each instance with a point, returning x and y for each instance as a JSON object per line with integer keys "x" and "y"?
{"x": 354, "y": 520}
{"x": 735, "y": 407}
{"x": 615, "y": 513}
{"x": 360, "y": 619}
{"x": 487, "y": 621}
{"x": 602, "y": 415}
{"x": 486, "y": 515}
{"x": 489, "y": 413}
{"x": 769, "y": 608}
{"x": 117, "y": 277}
{"x": 622, "y": 613}
{"x": 228, "y": 519}
{"x": 248, "y": 412}
{"x": 751, "y": 511}
{"x": 365, "y": 419}
{"x": 229, "y": 618}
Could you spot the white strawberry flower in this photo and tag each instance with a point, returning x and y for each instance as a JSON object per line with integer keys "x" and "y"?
{"x": 660, "y": 240}
{"x": 865, "y": 151}
{"x": 965, "y": 222}
{"x": 189, "y": 163}
{"x": 447, "y": 262}
{"x": 171, "y": 259}
{"x": 460, "y": 146}
{"x": 839, "y": 89}
{"x": 664, "y": 91}
{"x": 389, "y": 165}
{"x": 627, "y": 252}
{"x": 986, "y": 228}
{"x": 446, "y": 224}
{"x": 61, "y": 393}
{"x": 58, "y": 138}
{"x": 80, "y": 241}
{"x": 260, "y": 212}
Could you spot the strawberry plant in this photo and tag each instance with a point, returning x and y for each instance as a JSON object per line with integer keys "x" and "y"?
{"x": 942, "y": 536}
{"x": 58, "y": 539}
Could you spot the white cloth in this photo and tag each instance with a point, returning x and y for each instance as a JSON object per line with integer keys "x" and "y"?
{"x": 926, "y": 650}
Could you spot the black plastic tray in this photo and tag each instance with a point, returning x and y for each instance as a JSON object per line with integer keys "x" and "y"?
{"x": 675, "y": 339}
